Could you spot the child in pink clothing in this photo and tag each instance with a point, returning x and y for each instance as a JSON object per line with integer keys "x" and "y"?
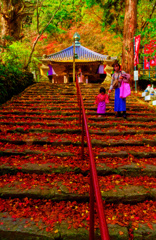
{"x": 101, "y": 101}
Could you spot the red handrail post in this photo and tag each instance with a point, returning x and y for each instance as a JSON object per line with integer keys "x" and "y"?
{"x": 80, "y": 115}
{"x": 82, "y": 142}
{"x": 78, "y": 96}
{"x": 95, "y": 193}
{"x": 91, "y": 214}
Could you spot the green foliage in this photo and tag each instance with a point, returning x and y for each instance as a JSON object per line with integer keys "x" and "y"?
{"x": 113, "y": 13}
{"x": 149, "y": 31}
{"x": 84, "y": 16}
{"x": 16, "y": 56}
{"x": 69, "y": 13}
{"x": 147, "y": 35}
{"x": 90, "y": 3}
{"x": 146, "y": 19}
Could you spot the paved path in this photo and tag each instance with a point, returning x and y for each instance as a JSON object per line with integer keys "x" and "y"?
{"x": 45, "y": 184}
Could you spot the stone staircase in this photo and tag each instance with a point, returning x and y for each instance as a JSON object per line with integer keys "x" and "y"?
{"x": 45, "y": 183}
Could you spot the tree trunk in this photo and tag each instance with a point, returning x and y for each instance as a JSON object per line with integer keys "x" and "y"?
{"x": 11, "y": 29}
{"x": 11, "y": 22}
{"x": 12, "y": 14}
{"x": 130, "y": 21}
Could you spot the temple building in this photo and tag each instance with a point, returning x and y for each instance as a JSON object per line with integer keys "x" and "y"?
{"x": 90, "y": 66}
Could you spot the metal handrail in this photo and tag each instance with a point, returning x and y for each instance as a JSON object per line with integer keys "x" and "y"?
{"x": 94, "y": 184}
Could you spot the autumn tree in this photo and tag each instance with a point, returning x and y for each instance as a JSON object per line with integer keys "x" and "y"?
{"x": 22, "y": 19}
{"x": 121, "y": 17}
{"x": 113, "y": 16}
{"x": 146, "y": 25}
{"x": 40, "y": 32}
{"x": 12, "y": 14}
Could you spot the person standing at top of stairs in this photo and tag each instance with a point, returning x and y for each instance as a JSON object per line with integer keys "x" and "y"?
{"x": 119, "y": 103}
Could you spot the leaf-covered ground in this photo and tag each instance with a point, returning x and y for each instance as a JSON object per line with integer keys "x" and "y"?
{"x": 74, "y": 184}
{"x": 52, "y": 212}
{"x": 40, "y": 162}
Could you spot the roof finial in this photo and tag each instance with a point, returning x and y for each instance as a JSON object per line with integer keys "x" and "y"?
{"x": 76, "y": 38}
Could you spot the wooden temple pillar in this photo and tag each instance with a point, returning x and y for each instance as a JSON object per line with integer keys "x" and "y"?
{"x": 66, "y": 78}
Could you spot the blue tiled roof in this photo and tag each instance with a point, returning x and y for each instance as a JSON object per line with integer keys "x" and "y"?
{"x": 83, "y": 53}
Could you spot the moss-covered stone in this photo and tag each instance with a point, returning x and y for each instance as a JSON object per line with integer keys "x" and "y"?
{"x": 145, "y": 231}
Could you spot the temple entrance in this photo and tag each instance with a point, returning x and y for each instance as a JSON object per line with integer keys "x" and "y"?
{"x": 88, "y": 65}
{"x": 70, "y": 79}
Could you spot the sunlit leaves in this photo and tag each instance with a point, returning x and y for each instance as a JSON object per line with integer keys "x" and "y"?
{"x": 52, "y": 212}
{"x": 74, "y": 183}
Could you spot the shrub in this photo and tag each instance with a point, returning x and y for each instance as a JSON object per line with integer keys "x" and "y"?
{"x": 13, "y": 81}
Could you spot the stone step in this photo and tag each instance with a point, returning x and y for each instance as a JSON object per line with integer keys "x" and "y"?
{"x": 65, "y": 163}
{"x": 130, "y": 116}
{"x": 129, "y": 207}
{"x": 33, "y": 227}
{"x": 42, "y": 108}
{"x": 63, "y": 187}
{"x": 44, "y": 130}
{"x": 32, "y": 140}
{"x": 65, "y": 108}
{"x": 10, "y": 152}
{"x": 125, "y": 154}
{"x": 129, "y": 119}
{"x": 40, "y": 117}
{"x": 114, "y": 124}
{"x": 112, "y": 132}
{"x": 122, "y": 133}
{"x": 52, "y": 123}
{"x": 39, "y": 113}
{"x": 93, "y": 122}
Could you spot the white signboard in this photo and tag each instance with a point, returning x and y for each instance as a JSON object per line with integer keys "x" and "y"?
{"x": 136, "y": 75}
{"x": 147, "y": 98}
{"x": 143, "y": 94}
{"x": 154, "y": 102}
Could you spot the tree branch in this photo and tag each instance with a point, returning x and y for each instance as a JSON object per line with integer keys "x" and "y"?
{"x": 33, "y": 48}
{"x": 37, "y": 18}
{"x": 97, "y": 15}
{"x": 150, "y": 16}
